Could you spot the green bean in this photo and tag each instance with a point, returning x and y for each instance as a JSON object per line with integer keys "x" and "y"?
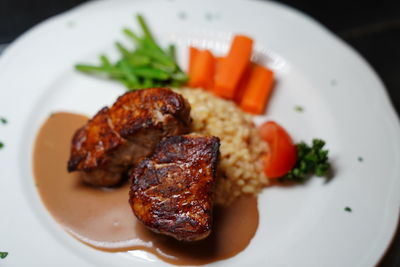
{"x": 129, "y": 73}
{"x": 139, "y": 60}
{"x": 148, "y": 65}
{"x": 169, "y": 69}
{"x": 158, "y": 56}
{"x": 89, "y": 68}
{"x": 151, "y": 73}
{"x": 105, "y": 61}
{"x": 144, "y": 27}
{"x": 132, "y": 36}
{"x": 172, "y": 52}
{"x": 147, "y": 83}
{"x": 122, "y": 49}
{"x": 149, "y": 44}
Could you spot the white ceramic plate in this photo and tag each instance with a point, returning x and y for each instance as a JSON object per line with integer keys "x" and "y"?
{"x": 344, "y": 103}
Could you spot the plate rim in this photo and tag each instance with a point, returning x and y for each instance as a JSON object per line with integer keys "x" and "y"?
{"x": 389, "y": 109}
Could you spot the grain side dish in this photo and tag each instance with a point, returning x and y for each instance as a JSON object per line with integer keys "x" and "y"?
{"x": 242, "y": 150}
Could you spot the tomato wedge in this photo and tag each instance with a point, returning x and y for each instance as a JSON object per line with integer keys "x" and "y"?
{"x": 282, "y": 155}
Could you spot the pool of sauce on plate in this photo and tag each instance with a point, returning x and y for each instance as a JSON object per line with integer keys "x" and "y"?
{"x": 102, "y": 218}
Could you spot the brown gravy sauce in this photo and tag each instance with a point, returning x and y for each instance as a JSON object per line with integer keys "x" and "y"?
{"x": 102, "y": 218}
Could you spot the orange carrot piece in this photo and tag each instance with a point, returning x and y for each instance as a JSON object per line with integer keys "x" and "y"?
{"x": 258, "y": 90}
{"x": 217, "y": 64}
{"x": 242, "y": 84}
{"x": 202, "y": 73}
{"x": 233, "y": 66}
{"x": 193, "y": 51}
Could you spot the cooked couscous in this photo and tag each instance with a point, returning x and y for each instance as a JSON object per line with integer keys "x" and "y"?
{"x": 242, "y": 150}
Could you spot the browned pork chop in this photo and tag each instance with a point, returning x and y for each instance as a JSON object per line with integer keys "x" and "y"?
{"x": 117, "y": 137}
{"x": 171, "y": 191}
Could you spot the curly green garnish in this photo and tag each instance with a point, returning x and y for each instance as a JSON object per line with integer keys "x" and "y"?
{"x": 311, "y": 160}
{"x": 3, "y": 255}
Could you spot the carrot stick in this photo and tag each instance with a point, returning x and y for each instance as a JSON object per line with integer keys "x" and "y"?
{"x": 233, "y": 67}
{"x": 258, "y": 90}
{"x": 217, "y": 64}
{"x": 244, "y": 80}
{"x": 192, "y": 57}
{"x": 202, "y": 73}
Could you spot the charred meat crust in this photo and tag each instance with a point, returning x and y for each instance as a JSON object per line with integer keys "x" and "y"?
{"x": 119, "y": 136}
{"x": 171, "y": 191}
{"x": 93, "y": 143}
{"x": 149, "y": 108}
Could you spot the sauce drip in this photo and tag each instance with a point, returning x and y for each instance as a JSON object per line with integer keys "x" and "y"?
{"x": 103, "y": 219}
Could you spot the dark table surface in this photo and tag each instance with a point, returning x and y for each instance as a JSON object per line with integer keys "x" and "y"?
{"x": 371, "y": 27}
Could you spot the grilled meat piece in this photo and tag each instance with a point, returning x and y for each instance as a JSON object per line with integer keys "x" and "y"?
{"x": 117, "y": 137}
{"x": 171, "y": 191}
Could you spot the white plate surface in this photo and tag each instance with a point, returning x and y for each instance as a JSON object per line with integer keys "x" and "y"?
{"x": 344, "y": 103}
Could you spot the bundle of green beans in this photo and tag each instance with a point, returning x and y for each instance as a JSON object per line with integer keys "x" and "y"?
{"x": 148, "y": 65}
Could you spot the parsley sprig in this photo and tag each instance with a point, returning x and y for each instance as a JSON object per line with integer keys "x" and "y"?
{"x": 3, "y": 255}
{"x": 310, "y": 160}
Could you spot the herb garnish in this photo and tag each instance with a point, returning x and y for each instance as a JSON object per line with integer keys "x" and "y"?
{"x": 310, "y": 160}
{"x": 299, "y": 108}
{"x": 3, "y": 120}
{"x": 360, "y": 159}
{"x": 1, "y": 145}
{"x": 3, "y": 255}
{"x": 148, "y": 65}
{"x": 348, "y": 209}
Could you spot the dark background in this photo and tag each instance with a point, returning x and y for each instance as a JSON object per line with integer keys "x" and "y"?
{"x": 371, "y": 27}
